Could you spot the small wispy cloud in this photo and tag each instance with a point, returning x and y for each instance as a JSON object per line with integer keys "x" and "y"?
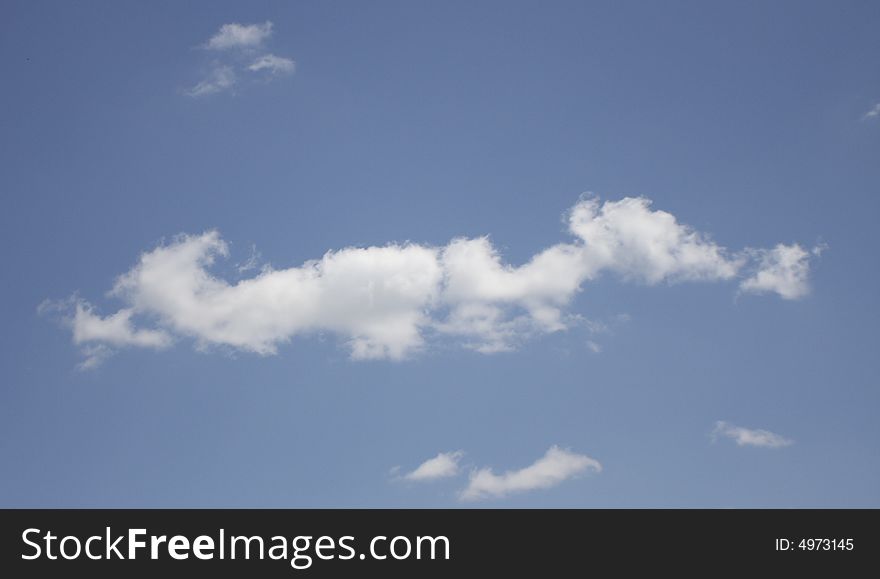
{"x": 272, "y": 64}
{"x": 873, "y": 113}
{"x": 748, "y": 436}
{"x": 444, "y": 465}
{"x": 784, "y": 270}
{"x": 99, "y": 337}
{"x": 556, "y": 466}
{"x": 94, "y": 356}
{"x": 236, "y": 35}
{"x": 251, "y": 262}
{"x": 221, "y": 78}
{"x": 239, "y": 52}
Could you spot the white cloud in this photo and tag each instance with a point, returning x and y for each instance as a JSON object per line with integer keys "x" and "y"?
{"x": 99, "y": 336}
{"x": 373, "y": 296}
{"x": 236, "y": 49}
{"x": 272, "y": 64}
{"x": 749, "y": 437}
{"x": 221, "y": 78}
{"x": 115, "y": 329}
{"x": 784, "y": 269}
{"x": 625, "y": 237}
{"x": 236, "y": 35}
{"x": 443, "y": 465}
{"x": 639, "y": 243}
{"x": 594, "y": 347}
{"x": 874, "y": 112}
{"x": 556, "y": 466}
{"x": 386, "y": 302}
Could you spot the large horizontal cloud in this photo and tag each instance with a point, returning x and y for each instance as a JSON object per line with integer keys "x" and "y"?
{"x": 374, "y": 296}
{"x": 386, "y": 302}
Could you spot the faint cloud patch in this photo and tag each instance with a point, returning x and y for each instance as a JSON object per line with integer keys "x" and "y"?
{"x": 272, "y": 64}
{"x": 94, "y": 356}
{"x": 236, "y": 35}
{"x": 749, "y": 436}
{"x": 251, "y": 262}
{"x": 444, "y": 465}
{"x": 239, "y": 54}
{"x": 219, "y": 79}
{"x": 555, "y": 467}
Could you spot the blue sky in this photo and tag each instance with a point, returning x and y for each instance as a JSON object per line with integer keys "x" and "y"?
{"x": 715, "y": 347}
